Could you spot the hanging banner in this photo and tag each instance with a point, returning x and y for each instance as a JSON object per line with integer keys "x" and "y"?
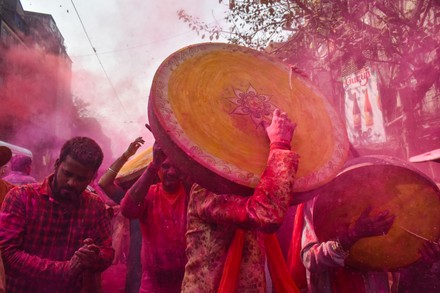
{"x": 363, "y": 108}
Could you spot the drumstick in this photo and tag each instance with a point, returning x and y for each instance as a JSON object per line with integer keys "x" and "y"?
{"x": 290, "y": 76}
{"x": 417, "y": 235}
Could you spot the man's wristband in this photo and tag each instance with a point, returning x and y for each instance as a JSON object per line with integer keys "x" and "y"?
{"x": 337, "y": 247}
{"x": 281, "y": 145}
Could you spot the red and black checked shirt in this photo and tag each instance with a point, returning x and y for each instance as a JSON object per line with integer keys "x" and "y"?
{"x": 38, "y": 237}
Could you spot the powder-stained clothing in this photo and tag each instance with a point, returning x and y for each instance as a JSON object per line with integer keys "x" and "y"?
{"x": 19, "y": 178}
{"x": 420, "y": 277}
{"x": 2, "y": 277}
{"x": 39, "y": 235}
{"x": 4, "y": 188}
{"x": 162, "y": 218}
{"x": 325, "y": 260}
{"x": 214, "y": 218}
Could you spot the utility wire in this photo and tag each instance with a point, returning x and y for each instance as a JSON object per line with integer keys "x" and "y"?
{"x": 141, "y": 45}
{"x": 135, "y": 46}
{"x": 97, "y": 57}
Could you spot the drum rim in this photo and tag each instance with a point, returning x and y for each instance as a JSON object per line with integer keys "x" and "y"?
{"x": 127, "y": 175}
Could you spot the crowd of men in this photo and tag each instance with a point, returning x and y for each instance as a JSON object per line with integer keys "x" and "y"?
{"x": 56, "y": 235}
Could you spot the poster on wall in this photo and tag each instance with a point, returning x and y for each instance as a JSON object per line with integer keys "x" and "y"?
{"x": 363, "y": 108}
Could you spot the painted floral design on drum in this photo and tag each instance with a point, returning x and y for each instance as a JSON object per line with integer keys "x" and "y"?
{"x": 251, "y": 103}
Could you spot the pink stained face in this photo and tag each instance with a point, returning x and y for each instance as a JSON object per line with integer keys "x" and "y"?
{"x": 170, "y": 176}
{"x": 71, "y": 179}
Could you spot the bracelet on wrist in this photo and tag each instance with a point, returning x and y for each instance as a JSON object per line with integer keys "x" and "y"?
{"x": 337, "y": 246}
{"x": 111, "y": 170}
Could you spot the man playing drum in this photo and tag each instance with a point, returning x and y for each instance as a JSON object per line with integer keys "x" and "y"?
{"x": 325, "y": 261}
{"x": 352, "y": 237}
{"x": 215, "y": 219}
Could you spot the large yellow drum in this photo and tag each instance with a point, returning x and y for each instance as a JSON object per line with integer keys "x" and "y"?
{"x": 206, "y": 108}
{"x": 383, "y": 183}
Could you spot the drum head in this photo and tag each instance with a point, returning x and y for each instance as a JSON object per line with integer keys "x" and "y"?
{"x": 134, "y": 167}
{"x": 383, "y": 184}
{"x": 207, "y": 105}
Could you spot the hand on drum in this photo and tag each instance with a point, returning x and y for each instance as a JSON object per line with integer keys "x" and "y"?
{"x": 367, "y": 225}
{"x": 281, "y": 128}
{"x": 158, "y": 156}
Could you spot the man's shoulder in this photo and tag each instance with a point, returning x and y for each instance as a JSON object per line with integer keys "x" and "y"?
{"x": 23, "y": 193}
{"x": 19, "y": 178}
{"x": 29, "y": 189}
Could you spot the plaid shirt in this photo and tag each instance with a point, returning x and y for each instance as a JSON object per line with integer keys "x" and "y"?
{"x": 38, "y": 237}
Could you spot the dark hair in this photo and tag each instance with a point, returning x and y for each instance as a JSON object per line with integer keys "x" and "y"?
{"x": 20, "y": 163}
{"x": 84, "y": 150}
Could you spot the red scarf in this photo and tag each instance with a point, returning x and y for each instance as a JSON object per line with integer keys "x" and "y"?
{"x": 296, "y": 267}
{"x": 277, "y": 266}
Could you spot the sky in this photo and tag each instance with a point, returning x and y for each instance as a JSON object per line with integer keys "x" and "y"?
{"x": 131, "y": 38}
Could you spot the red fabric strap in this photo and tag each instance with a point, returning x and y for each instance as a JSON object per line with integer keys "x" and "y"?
{"x": 279, "y": 273}
{"x": 282, "y": 145}
{"x": 296, "y": 267}
{"x": 231, "y": 270}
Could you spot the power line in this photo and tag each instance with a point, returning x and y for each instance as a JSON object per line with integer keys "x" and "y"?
{"x": 141, "y": 45}
{"x": 97, "y": 57}
{"x": 136, "y": 46}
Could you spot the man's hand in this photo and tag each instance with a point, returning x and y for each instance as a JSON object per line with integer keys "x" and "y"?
{"x": 133, "y": 147}
{"x": 281, "y": 128}
{"x": 88, "y": 255}
{"x": 158, "y": 156}
{"x": 75, "y": 267}
{"x": 367, "y": 226}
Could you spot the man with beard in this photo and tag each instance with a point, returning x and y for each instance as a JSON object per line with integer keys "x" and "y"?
{"x": 161, "y": 209}
{"x": 55, "y": 236}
